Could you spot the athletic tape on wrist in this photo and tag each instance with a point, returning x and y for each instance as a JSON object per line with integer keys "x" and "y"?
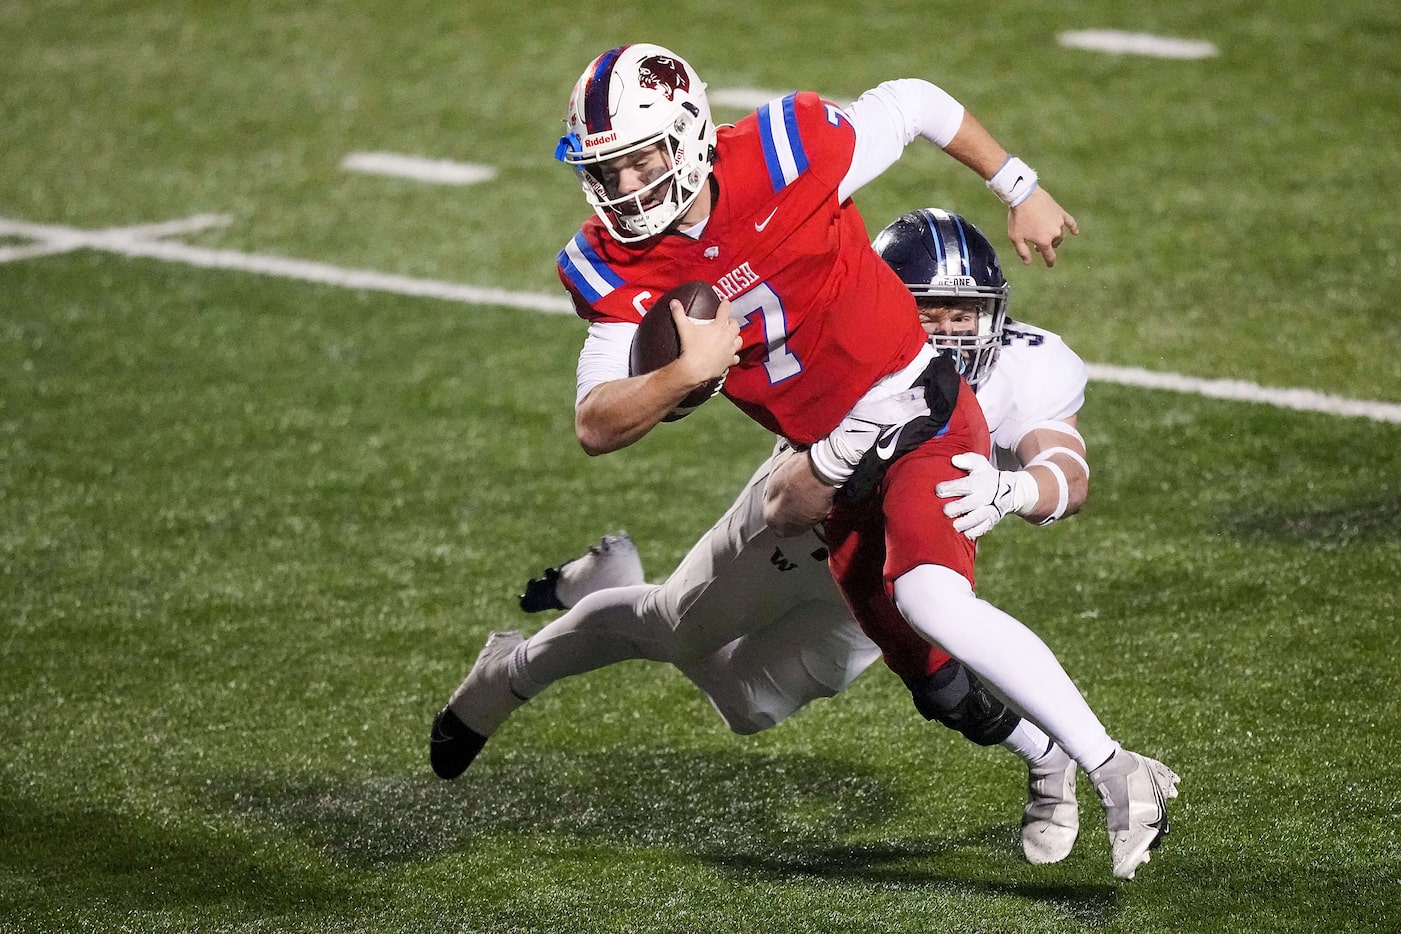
{"x": 1025, "y": 491}
{"x": 1014, "y": 182}
{"x": 1044, "y": 456}
{"x": 829, "y": 467}
{"x": 1062, "y": 488}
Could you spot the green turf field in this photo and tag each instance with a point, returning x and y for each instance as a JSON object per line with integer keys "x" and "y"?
{"x": 253, "y": 528}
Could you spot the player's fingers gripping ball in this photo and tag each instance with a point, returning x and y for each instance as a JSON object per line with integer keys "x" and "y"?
{"x": 658, "y": 341}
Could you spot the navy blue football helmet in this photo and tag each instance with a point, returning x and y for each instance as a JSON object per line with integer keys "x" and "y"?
{"x": 940, "y": 255}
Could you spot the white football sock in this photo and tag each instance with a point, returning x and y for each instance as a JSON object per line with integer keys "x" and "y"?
{"x": 939, "y": 603}
{"x": 1029, "y": 742}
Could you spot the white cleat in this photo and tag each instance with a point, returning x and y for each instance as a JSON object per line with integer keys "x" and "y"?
{"x": 1051, "y": 820}
{"x": 613, "y": 562}
{"x": 1135, "y": 790}
{"x": 481, "y": 703}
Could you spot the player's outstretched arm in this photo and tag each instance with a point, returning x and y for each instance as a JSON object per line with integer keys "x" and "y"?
{"x": 1054, "y": 454}
{"x": 1035, "y": 221}
{"x": 890, "y": 116}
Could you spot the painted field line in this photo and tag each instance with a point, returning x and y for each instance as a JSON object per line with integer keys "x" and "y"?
{"x": 125, "y": 243}
{"x": 1301, "y": 400}
{"x": 1116, "y": 42}
{"x": 743, "y": 98}
{"x": 437, "y": 171}
{"x": 139, "y": 242}
{"x": 55, "y": 240}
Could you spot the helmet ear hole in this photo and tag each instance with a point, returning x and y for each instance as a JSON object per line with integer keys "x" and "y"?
{"x": 629, "y": 98}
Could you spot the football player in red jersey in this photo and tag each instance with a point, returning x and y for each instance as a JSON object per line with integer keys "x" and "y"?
{"x": 757, "y": 623}
{"x": 823, "y": 346}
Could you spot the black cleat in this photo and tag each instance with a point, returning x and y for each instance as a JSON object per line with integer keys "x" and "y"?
{"x": 454, "y": 745}
{"x": 613, "y": 562}
{"x": 542, "y": 593}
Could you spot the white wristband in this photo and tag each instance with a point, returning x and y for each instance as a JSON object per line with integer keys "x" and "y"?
{"x": 834, "y": 458}
{"x": 831, "y": 468}
{"x": 1014, "y": 182}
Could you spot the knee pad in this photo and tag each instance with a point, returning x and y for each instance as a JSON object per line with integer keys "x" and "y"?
{"x": 955, "y": 697}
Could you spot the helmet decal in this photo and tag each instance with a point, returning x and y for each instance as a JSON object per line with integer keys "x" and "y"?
{"x": 597, "y": 116}
{"x": 663, "y": 73}
{"x": 630, "y": 98}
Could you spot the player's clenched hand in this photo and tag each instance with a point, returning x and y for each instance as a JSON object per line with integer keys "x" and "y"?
{"x": 1039, "y": 223}
{"x": 985, "y": 495}
{"x": 708, "y": 348}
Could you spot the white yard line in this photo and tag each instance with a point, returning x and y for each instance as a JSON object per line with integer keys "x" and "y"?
{"x": 417, "y": 168}
{"x": 140, "y": 242}
{"x": 134, "y": 242}
{"x": 54, "y": 240}
{"x": 1117, "y": 42}
{"x": 742, "y": 98}
{"x": 1302, "y": 400}
{"x": 11, "y": 254}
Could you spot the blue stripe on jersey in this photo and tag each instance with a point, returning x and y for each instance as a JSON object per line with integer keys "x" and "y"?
{"x": 783, "y": 144}
{"x": 586, "y": 271}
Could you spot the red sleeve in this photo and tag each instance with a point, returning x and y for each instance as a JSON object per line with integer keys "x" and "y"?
{"x": 828, "y": 137}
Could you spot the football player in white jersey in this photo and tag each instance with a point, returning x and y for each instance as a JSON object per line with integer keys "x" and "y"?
{"x": 756, "y": 621}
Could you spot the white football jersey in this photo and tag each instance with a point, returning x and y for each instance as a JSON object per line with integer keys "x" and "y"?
{"x": 1037, "y": 378}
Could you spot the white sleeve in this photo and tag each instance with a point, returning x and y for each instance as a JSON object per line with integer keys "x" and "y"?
{"x": 888, "y": 117}
{"x": 1049, "y": 381}
{"x": 604, "y": 356}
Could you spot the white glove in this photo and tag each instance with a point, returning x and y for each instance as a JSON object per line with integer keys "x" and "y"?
{"x": 986, "y": 494}
{"x": 835, "y": 457}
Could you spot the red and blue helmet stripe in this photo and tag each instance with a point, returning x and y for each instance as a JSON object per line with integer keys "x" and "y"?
{"x": 597, "y": 118}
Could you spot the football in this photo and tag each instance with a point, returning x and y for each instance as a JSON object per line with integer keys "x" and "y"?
{"x": 656, "y": 342}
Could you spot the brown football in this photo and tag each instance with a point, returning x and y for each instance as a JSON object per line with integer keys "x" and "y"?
{"x": 656, "y": 342}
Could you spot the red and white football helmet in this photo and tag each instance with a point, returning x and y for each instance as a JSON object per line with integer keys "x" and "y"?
{"x": 630, "y": 98}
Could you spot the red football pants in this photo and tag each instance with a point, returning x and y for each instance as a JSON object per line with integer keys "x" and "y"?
{"x": 901, "y": 527}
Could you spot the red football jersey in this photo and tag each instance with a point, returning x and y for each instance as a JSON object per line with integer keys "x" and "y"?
{"x": 823, "y": 317}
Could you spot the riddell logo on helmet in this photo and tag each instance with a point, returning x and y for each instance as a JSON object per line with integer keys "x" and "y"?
{"x": 592, "y": 141}
{"x": 663, "y": 73}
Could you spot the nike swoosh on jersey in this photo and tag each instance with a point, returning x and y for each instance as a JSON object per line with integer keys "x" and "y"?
{"x": 759, "y": 227}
